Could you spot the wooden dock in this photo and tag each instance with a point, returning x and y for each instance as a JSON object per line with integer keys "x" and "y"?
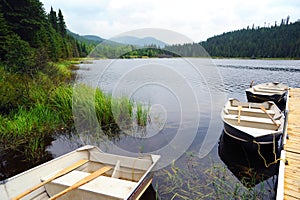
{"x": 289, "y": 170}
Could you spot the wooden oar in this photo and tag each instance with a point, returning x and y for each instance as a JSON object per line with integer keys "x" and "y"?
{"x": 265, "y": 111}
{"x": 82, "y": 181}
{"x": 239, "y": 114}
{"x": 62, "y": 172}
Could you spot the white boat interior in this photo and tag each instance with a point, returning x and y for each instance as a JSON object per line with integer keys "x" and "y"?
{"x": 123, "y": 177}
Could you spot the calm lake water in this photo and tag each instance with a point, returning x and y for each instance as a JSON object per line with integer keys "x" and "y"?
{"x": 186, "y": 97}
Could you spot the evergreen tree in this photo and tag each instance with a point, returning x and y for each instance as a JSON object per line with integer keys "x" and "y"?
{"x": 53, "y": 19}
{"x": 20, "y": 56}
{"x": 62, "y": 28}
{"x": 4, "y": 32}
{"x": 25, "y": 17}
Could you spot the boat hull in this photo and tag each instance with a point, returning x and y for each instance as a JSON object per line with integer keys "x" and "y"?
{"x": 278, "y": 99}
{"x": 247, "y": 166}
{"x": 248, "y": 140}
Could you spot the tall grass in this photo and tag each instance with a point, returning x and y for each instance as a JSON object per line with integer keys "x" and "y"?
{"x": 114, "y": 114}
{"x": 61, "y": 102}
{"x": 142, "y": 114}
{"x": 29, "y": 128}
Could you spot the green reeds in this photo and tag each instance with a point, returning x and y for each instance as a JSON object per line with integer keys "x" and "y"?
{"x": 142, "y": 114}
{"x": 61, "y": 103}
{"x": 29, "y": 129}
{"x": 114, "y": 114}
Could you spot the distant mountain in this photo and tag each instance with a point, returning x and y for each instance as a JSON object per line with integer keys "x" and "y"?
{"x": 146, "y": 41}
{"x": 93, "y": 38}
{"x": 89, "y": 39}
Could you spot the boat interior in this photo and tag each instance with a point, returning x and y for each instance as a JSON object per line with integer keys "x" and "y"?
{"x": 116, "y": 183}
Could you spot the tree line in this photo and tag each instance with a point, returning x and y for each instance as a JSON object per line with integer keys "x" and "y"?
{"x": 278, "y": 41}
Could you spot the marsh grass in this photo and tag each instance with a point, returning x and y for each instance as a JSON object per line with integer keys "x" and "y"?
{"x": 114, "y": 114}
{"x": 61, "y": 102}
{"x": 30, "y": 129}
{"x": 35, "y": 108}
{"x": 142, "y": 115}
{"x": 197, "y": 179}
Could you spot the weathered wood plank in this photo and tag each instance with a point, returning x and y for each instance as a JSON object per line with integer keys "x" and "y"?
{"x": 292, "y": 147}
{"x": 291, "y": 155}
{"x": 287, "y": 197}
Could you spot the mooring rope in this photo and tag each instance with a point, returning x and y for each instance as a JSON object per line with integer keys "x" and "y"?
{"x": 274, "y": 152}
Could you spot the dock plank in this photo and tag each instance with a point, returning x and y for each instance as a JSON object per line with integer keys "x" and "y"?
{"x": 292, "y": 147}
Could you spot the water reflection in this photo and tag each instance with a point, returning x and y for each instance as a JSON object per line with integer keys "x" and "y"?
{"x": 13, "y": 162}
{"x": 248, "y": 166}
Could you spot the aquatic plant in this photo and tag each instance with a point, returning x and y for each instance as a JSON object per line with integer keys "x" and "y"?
{"x": 113, "y": 113}
{"x": 142, "y": 114}
{"x": 61, "y": 102}
{"x": 197, "y": 179}
{"x": 28, "y": 129}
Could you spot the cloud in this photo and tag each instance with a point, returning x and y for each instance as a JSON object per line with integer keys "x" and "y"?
{"x": 194, "y": 18}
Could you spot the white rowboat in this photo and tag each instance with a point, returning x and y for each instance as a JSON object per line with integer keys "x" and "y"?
{"x": 86, "y": 173}
{"x": 276, "y": 92}
{"x": 252, "y": 122}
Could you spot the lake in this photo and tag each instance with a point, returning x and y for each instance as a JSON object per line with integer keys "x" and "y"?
{"x": 185, "y": 97}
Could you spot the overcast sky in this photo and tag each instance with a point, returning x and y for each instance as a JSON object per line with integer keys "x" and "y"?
{"x": 196, "y": 19}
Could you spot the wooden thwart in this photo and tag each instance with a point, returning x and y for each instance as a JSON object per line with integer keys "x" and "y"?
{"x": 265, "y": 111}
{"x": 59, "y": 174}
{"x": 83, "y": 181}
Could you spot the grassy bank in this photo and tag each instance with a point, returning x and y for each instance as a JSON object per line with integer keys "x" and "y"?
{"x": 35, "y": 108}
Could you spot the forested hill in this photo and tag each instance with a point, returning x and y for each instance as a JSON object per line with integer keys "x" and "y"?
{"x": 27, "y": 31}
{"x": 275, "y": 42}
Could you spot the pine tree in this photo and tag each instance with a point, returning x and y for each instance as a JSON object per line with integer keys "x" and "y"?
{"x": 25, "y": 17}
{"x": 62, "y": 28}
{"x": 4, "y": 32}
{"x": 53, "y": 19}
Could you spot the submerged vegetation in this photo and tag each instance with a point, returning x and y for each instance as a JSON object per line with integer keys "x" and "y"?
{"x": 199, "y": 180}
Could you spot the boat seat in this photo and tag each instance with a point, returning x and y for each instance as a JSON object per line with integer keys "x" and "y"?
{"x": 271, "y": 112}
{"x": 266, "y": 91}
{"x": 107, "y": 186}
{"x": 252, "y": 119}
{"x": 270, "y": 88}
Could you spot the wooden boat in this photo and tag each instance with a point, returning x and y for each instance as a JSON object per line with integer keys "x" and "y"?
{"x": 275, "y": 91}
{"x": 252, "y": 122}
{"x": 86, "y": 173}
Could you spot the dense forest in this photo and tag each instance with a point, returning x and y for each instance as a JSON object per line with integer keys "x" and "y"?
{"x": 278, "y": 41}
{"x": 27, "y": 30}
